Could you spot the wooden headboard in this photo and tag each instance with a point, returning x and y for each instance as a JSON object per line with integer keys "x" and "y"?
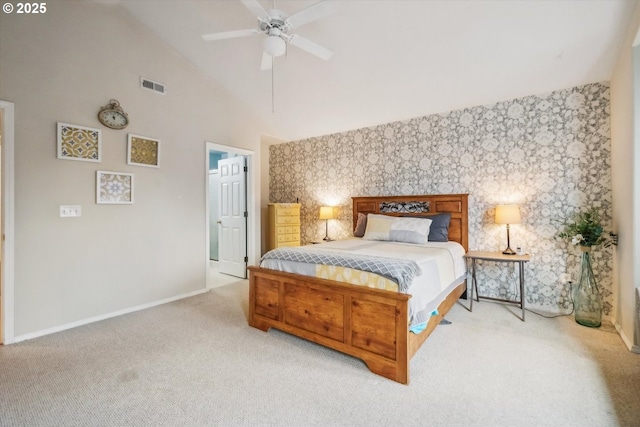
{"x": 425, "y": 205}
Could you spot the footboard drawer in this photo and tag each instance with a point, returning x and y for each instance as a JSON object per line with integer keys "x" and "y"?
{"x": 314, "y": 310}
{"x": 373, "y": 327}
{"x": 267, "y": 296}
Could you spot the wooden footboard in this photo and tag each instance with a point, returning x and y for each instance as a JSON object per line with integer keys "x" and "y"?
{"x": 370, "y": 324}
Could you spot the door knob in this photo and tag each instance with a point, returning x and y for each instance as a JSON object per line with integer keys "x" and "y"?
{"x": 219, "y": 222}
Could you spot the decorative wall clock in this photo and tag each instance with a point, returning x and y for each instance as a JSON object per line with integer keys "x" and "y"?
{"x": 113, "y": 116}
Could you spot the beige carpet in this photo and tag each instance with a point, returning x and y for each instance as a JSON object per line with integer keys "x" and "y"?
{"x": 197, "y": 362}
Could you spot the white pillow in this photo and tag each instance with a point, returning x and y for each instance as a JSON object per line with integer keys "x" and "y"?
{"x": 397, "y": 229}
{"x": 378, "y": 227}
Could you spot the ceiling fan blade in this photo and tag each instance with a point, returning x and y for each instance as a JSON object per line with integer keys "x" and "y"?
{"x": 311, "y": 47}
{"x": 257, "y": 10}
{"x": 267, "y": 61}
{"x": 313, "y": 12}
{"x": 229, "y": 35}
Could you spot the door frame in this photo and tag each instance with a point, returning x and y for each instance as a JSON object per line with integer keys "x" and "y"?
{"x": 253, "y": 215}
{"x": 8, "y": 220}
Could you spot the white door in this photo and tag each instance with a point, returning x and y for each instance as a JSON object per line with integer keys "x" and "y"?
{"x": 232, "y": 218}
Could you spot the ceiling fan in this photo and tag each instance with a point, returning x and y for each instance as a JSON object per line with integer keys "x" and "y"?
{"x": 275, "y": 24}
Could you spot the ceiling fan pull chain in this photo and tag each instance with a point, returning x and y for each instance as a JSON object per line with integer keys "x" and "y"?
{"x": 273, "y": 108}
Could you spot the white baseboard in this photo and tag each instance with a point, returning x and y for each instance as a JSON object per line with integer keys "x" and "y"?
{"x": 632, "y": 348}
{"x": 82, "y": 322}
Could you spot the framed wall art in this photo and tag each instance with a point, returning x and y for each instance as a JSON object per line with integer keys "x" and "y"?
{"x": 143, "y": 151}
{"x": 79, "y": 143}
{"x": 115, "y": 188}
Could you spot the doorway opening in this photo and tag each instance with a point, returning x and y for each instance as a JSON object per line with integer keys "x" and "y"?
{"x": 230, "y": 232}
{"x": 214, "y": 182}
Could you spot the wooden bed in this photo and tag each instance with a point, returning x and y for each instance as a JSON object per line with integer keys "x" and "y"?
{"x": 370, "y": 324}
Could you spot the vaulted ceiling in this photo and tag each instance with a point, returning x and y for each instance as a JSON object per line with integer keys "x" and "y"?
{"x": 395, "y": 60}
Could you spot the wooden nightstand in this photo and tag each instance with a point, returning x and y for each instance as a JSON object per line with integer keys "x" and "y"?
{"x": 497, "y": 257}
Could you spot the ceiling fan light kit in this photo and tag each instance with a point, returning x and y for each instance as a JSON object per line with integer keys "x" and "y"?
{"x": 275, "y": 46}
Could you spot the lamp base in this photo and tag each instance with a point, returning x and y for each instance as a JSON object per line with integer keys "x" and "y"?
{"x": 326, "y": 232}
{"x": 509, "y": 251}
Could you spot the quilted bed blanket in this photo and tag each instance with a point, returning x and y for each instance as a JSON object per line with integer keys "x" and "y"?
{"x": 401, "y": 271}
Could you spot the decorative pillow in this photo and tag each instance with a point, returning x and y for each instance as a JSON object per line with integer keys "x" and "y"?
{"x": 439, "y": 231}
{"x": 410, "y": 230}
{"x": 361, "y": 225}
{"x": 397, "y": 229}
{"x": 378, "y": 227}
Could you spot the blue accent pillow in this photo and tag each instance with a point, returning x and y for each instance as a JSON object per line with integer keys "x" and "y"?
{"x": 439, "y": 231}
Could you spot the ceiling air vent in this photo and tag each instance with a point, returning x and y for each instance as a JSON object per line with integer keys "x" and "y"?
{"x": 151, "y": 85}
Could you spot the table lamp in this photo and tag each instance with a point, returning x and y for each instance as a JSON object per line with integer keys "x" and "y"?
{"x": 327, "y": 213}
{"x": 508, "y": 214}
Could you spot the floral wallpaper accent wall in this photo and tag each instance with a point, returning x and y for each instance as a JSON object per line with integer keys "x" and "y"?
{"x": 548, "y": 153}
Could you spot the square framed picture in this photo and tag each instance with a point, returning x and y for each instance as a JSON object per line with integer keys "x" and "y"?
{"x": 143, "y": 151}
{"x": 114, "y": 188}
{"x": 79, "y": 143}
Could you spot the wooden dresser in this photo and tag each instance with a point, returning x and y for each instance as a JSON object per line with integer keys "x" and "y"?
{"x": 284, "y": 225}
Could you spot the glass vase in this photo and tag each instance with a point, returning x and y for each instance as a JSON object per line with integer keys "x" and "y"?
{"x": 587, "y": 299}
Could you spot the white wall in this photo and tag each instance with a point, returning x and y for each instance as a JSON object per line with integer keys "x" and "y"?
{"x": 625, "y": 165}
{"x": 63, "y": 66}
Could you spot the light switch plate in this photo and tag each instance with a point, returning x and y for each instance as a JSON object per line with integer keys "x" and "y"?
{"x": 69, "y": 211}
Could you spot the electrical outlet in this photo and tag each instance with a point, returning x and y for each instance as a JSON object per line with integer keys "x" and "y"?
{"x": 69, "y": 211}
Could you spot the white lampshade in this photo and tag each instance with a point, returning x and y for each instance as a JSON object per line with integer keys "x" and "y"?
{"x": 507, "y": 214}
{"x": 326, "y": 212}
{"x": 275, "y": 46}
